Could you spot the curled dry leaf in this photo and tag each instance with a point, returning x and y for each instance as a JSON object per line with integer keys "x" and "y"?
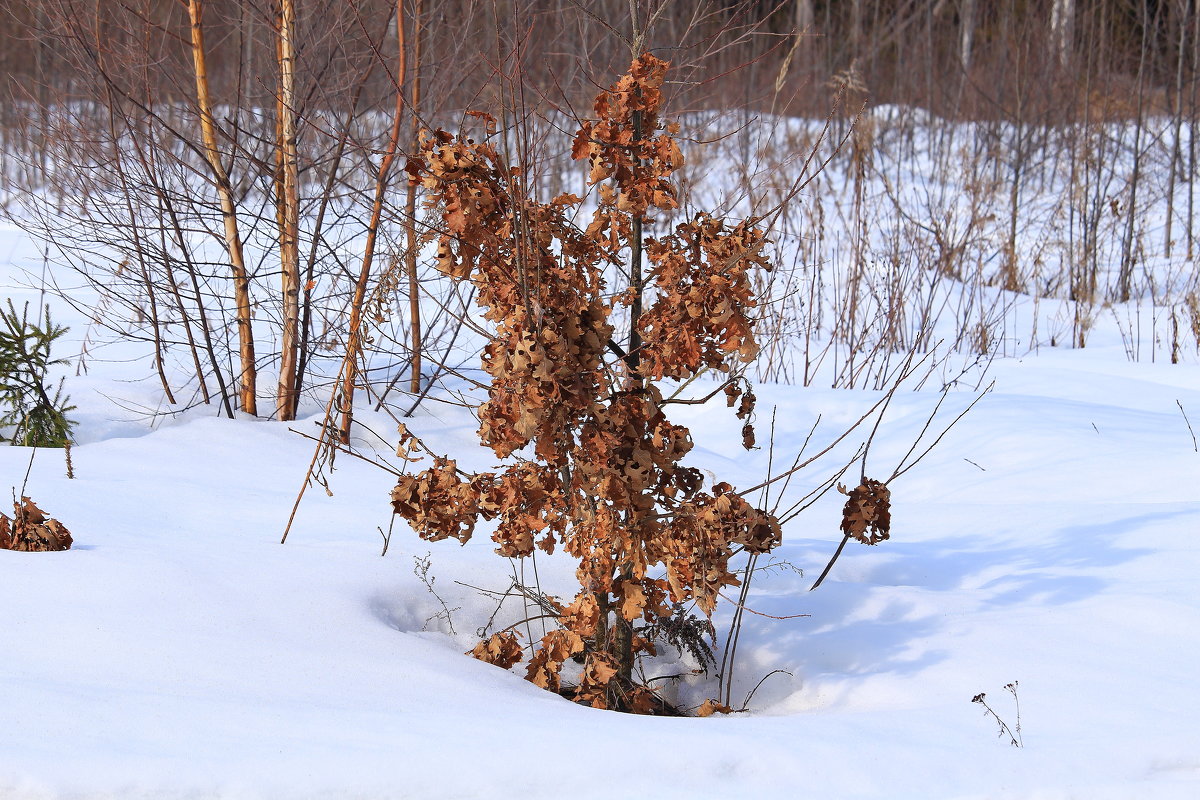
{"x": 746, "y": 406}
{"x": 582, "y": 615}
{"x": 699, "y": 541}
{"x": 599, "y": 669}
{"x": 620, "y": 145}
{"x": 748, "y": 436}
{"x": 732, "y": 392}
{"x": 409, "y": 446}
{"x": 488, "y": 120}
{"x": 633, "y": 599}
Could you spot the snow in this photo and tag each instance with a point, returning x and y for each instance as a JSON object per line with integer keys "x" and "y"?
{"x": 180, "y": 651}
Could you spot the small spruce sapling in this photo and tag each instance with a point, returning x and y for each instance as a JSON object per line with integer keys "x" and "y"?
{"x": 32, "y": 413}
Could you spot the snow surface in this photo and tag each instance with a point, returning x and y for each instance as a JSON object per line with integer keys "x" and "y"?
{"x": 179, "y": 651}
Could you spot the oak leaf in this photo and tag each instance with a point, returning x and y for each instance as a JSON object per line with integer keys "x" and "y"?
{"x": 633, "y": 600}
{"x": 710, "y": 707}
{"x": 501, "y": 649}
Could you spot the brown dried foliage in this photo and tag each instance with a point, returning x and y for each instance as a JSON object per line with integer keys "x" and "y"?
{"x": 702, "y": 272}
{"x": 867, "y": 515}
{"x": 710, "y": 707}
{"x": 603, "y": 479}
{"x": 30, "y": 530}
{"x": 501, "y": 649}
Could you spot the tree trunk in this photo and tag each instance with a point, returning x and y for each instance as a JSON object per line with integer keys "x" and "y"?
{"x": 410, "y": 207}
{"x": 233, "y": 240}
{"x": 1062, "y": 18}
{"x": 1128, "y": 256}
{"x": 1192, "y": 132}
{"x": 354, "y": 338}
{"x": 856, "y": 31}
{"x": 966, "y": 34}
{"x": 1181, "y": 9}
{"x": 289, "y": 214}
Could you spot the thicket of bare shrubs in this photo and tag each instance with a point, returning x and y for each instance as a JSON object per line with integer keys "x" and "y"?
{"x": 225, "y": 175}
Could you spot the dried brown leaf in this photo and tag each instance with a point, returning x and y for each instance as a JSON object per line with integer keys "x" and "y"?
{"x": 748, "y": 436}
{"x": 710, "y": 707}
{"x": 501, "y": 649}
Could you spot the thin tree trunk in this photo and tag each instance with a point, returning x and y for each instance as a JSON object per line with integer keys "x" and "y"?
{"x": 42, "y": 88}
{"x": 354, "y": 338}
{"x": 1181, "y": 7}
{"x": 1191, "y": 173}
{"x": 139, "y": 251}
{"x": 176, "y": 226}
{"x": 146, "y": 160}
{"x": 803, "y": 16}
{"x": 966, "y": 34}
{"x": 135, "y": 231}
{"x": 1011, "y": 268}
{"x": 856, "y": 31}
{"x": 1062, "y": 18}
{"x": 289, "y": 217}
{"x": 1125, "y": 277}
{"x": 410, "y": 207}
{"x": 233, "y": 241}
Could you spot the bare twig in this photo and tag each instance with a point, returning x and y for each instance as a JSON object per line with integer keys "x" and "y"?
{"x": 1195, "y": 449}
{"x": 750, "y": 696}
{"x": 903, "y": 468}
{"x": 829, "y": 566}
{"x": 761, "y": 613}
{"x": 1015, "y": 739}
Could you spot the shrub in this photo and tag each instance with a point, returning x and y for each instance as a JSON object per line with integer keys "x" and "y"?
{"x": 576, "y": 404}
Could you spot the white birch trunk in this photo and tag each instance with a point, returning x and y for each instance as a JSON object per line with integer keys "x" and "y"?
{"x": 1062, "y": 17}
{"x": 966, "y": 37}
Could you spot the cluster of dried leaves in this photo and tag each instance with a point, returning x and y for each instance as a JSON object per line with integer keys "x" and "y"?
{"x": 867, "y": 515}
{"x": 30, "y": 530}
{"x": 603, "y": 479}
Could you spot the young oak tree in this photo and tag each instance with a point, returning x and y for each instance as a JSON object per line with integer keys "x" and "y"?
{"x": 595, "y": 465}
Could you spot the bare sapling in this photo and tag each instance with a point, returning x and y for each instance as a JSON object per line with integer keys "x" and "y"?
{"x": 233, "y": 240}
{"x": 287, "y": 201}
{"x": 411, "y": 245}
{"x": 354, "y": 342}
